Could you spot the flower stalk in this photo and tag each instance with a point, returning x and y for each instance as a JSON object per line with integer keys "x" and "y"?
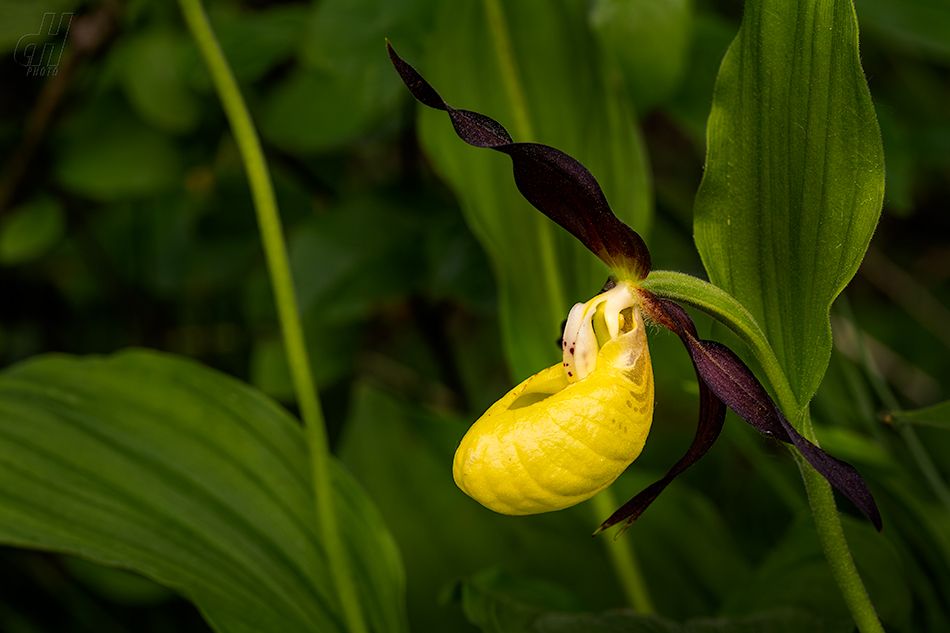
{"x": 278, "y": 267}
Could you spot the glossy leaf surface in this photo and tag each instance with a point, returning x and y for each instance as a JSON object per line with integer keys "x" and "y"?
{"x": 161, "y": 466}
{"x": 794, "y": 176}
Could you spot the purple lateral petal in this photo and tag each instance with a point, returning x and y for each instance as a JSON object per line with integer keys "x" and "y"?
{"x": 733, "y": 382}
{"x": 553, "y": 182}
{"x": 736, "y": 385}
{"x": 712, "y": 413}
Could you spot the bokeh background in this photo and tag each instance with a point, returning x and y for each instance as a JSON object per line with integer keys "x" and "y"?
{"x": 126, "y": 220}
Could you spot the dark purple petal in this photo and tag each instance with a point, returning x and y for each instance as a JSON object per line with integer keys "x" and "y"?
{"x": 739, "y": 389}
{"x": 733, "y": 382}
{"x": 553, "y": 182}
{"x": 712, "y": 413}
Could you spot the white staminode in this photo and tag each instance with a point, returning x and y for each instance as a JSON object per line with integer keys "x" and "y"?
{"x": 579, "y": 343}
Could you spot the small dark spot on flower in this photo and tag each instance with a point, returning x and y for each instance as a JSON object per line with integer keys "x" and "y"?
{"x": 569, "y": 374}
{"x": 571, "y": 351}
{"x": 629, "y": 404}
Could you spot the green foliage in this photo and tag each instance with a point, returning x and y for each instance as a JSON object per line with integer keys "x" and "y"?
{"x": 22, "y": 18}
{"x": 425, "y": 282}
{"x": 653, "y": 68}
{"x": 794, "y": 177}
{"x": 922, "y": 27}
{"x": 108, "y": 155}
{"x": 153, "y": 71}
{"x": 343, "y": 86}
{"x": 31, "y": 230}
{"x": 157, "y": 464}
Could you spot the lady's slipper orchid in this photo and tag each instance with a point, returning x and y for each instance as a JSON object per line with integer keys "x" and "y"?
{"x": 566, "y": 433}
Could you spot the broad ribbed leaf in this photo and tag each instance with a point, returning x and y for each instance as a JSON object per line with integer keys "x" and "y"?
{"x": 794, "y": 176}
{"x": 542, "y": 270}
{"x": 161, "y": 466}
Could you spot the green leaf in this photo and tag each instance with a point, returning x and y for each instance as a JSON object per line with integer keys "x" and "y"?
{"x": 794, "y": 176}
{"x": 153, "y": 76}
{"x": 937, "y": 416}
{"x": 345, "y": 83}
{"x": 29, "y": 231}
{"x": 548, "y": 90}
{"x": 346, "y": 36}
{"x": 117, "y": 585}
{"x": 311, "y": 111}
{"x": 778, "y": 621}
{"x": 161, "y": 466}
{"x": 649, "y": 41}
{"x": 108, "y": 155}
{"x": 256, "y": 40}
{"x": 498, "y": 602}
{"x": 710, "y": 37}
{"x": 357, "y": 269}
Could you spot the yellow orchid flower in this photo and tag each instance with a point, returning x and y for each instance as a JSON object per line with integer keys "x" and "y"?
{"x": 566, "y": 433}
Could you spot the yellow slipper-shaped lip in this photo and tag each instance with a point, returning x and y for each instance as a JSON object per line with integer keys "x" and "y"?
{"x": 551, "y": 443}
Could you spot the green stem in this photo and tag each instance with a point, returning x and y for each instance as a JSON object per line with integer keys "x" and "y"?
{"x": 726, "y": 309}
{"x": 832, "y": 538}
{"x": 278, "y": 267}
{"x": 835, "y": 547}
{"x": 623, "y": 559}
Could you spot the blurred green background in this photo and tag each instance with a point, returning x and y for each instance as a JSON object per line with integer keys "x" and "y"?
{"x": 126, "y": 220}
